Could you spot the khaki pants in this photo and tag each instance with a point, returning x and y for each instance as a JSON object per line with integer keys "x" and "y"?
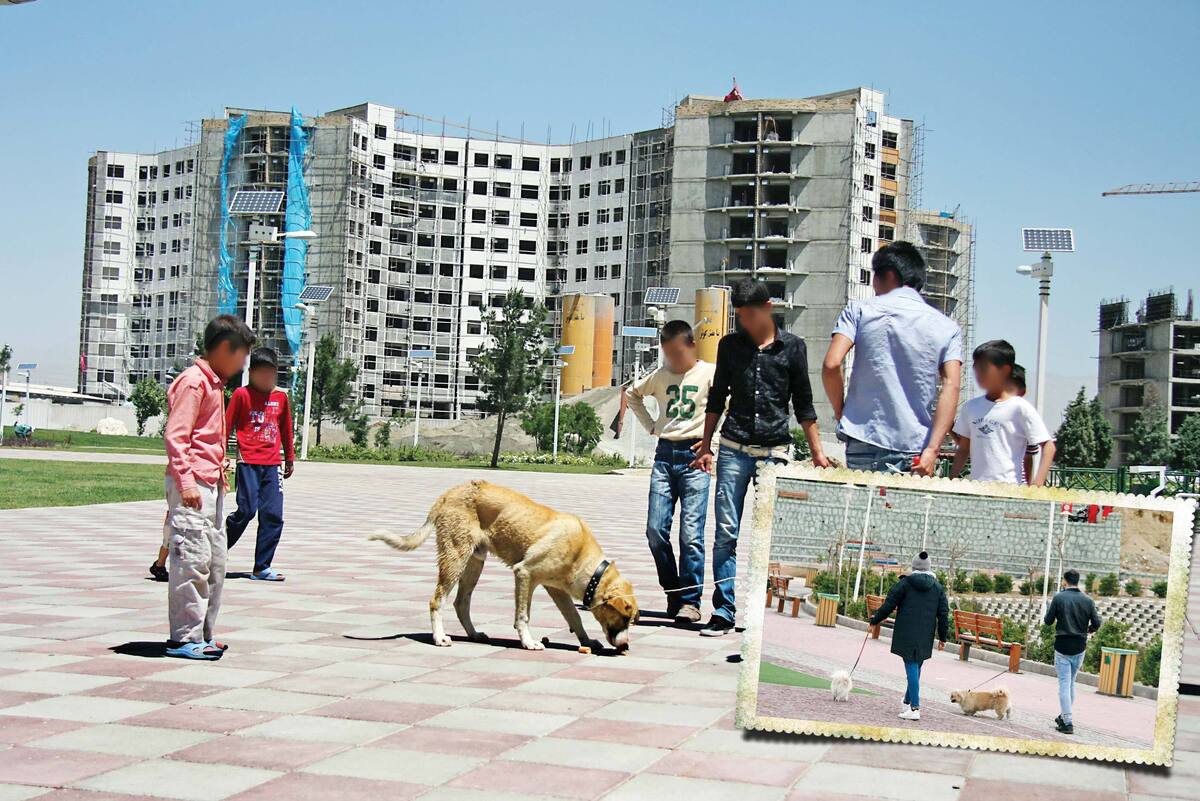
{"x": 196, "y": 568}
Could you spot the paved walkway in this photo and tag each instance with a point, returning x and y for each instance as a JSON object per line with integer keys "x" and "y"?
{"x": 819, "y": 650}
{"x": 332, "y": 690}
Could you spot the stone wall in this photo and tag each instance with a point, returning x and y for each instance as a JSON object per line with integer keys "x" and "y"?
{"x": 993, "y": 534}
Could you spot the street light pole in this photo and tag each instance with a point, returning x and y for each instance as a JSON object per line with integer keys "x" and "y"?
{"x": 251, "y": 302}
{"x": 557, "y": 403}
{"x": 417, "y": 420}
{"x": 1047, "y": 268}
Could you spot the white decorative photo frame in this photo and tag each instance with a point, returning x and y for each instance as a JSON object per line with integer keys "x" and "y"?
{"x": 813, "y": 531}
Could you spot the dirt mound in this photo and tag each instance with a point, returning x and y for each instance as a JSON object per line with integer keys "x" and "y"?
{"x": 470, "y": 437}
{"x": 1145, "y": 541}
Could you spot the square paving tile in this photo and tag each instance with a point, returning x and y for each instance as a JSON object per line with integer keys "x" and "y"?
{"x": 388, "y": 764}
{"x": 123, "y": 740}
{"x": 311, "y": 728}
{"x": 552, "y": 780}
{"x": 187, "y": 781}
{"x": 317, "y": 787}
{"x": 53, "y": 768}
{"x": 83, "y": 708}
{"x": 268, "y": 753}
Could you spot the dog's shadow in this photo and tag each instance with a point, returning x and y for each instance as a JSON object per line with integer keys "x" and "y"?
{"x": 425, "y": 638}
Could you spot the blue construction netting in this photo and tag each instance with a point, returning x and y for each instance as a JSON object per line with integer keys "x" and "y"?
{"x": 227, "y": 294}
{"x": 298, "y": 218}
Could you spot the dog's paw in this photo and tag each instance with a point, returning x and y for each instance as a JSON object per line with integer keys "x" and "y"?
{"x": 442, "y": 642}
{"x": 532, "y": 645}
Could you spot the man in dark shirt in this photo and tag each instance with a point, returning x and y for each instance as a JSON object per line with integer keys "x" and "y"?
{"x": 759, "y": 370}
{"x": 1073, "y": 616}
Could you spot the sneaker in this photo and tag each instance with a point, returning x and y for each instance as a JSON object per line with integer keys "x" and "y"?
{"x": 688, "y": 613}
{"x": 1064, "y": 728}
{"x": 910, "y": 714}
{"x": 159, "y": 572}
{"x": 717, "y": 626}
{"x": 905, "y": 708}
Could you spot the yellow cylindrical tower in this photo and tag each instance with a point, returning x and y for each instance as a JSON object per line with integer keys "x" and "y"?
{"x": 578, "y": 330}
{"x": 602, "y": 341}
{"x": 712, "y": 320}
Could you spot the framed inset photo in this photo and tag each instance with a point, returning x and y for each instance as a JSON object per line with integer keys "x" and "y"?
{"x": 855, "y": 578}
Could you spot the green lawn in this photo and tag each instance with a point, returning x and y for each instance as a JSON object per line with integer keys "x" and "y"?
{"x": 769, "y": 673}
{"x": 39, "y": 482}
{"x": 88, "y": 441}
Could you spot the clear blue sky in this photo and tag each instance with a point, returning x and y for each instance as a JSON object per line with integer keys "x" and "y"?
{"x": 1032, "y": 109}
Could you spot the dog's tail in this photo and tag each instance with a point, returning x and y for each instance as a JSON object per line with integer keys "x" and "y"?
{"x": 409, "y": 542}
{"x": 1000, "y": 692}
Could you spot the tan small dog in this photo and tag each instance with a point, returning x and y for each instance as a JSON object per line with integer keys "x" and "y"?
{"x": 543, "y": 547}
{"x": 971, "y": 702}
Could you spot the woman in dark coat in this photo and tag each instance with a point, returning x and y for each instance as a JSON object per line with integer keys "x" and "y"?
{"x": 921, "y": 609}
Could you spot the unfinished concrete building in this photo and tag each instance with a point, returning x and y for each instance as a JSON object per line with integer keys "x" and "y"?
{"x": 1152, "y": 356}
{"x": 947, "y": 241}
{"x": 421, "y": 225}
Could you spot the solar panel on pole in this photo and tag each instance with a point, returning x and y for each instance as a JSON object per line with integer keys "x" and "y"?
{"x": 661, "y": 296}
{"x": 1060, "y": 240}
{"x": 315, "y": 293}
{"x": 256, "y": 201}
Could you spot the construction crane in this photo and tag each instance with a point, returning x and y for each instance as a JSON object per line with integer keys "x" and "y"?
{"x": 1154, "y": 189}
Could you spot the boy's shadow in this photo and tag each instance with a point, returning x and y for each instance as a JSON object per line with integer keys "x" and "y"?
{"x": 146, "y": 650}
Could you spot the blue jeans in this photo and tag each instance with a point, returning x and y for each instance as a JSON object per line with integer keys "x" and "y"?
{"x": 912, "y": 693}
{"x": 672, "y": 480}
{"x": 1066, "y": 667}
{"x": 259, "y": 492}
{"x": 735, "y": 471}
{"x": 873, "y": 459}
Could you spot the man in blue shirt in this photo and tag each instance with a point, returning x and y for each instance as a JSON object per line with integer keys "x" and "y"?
{"x": 902, "y": 347}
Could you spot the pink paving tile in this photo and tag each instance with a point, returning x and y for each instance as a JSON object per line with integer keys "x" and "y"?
{"x": 339, "y": 686}
{"x": 15, "y": 730}
{"x": 416, "y": 656}
{"x": 379, "y": 711}
{"x": 130, "y": 667}
{"x": 608, "y": 674}
{"x": 279, "y": 664}
{"x": 538, "y": 779}
{"x": 314, "y": 787}
{"x": 53, "y": 768}
{"x": 462, "y": 678}
{"x": 12, "y": 698}
{"x": 364, "y": 645}
{"x": 989, "y": 790}
{"x": 268, "y": 753}
{"x": 1172, "y": 783}
{"x": 75, "y": 648}
{"x": 452, "y": 741}
{"x": 163, "y": 692}
{"x": 562, "y": 649}
{"x": 821, "y": 795}
{"x": 201, "y": 718}
{"x": 88, "y": 795}
{"x": 739, "y": 768}
{"x": 654, "y": 735}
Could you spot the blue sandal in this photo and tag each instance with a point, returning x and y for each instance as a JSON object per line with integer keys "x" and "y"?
{"x": 270, "y": 574}
{"x": 195, "y": 650}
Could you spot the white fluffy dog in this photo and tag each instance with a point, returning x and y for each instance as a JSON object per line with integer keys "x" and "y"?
{"x": 841, "y": 685}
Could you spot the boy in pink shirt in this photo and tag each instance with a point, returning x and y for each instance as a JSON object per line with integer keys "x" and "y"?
{"x": 195, "y": 438}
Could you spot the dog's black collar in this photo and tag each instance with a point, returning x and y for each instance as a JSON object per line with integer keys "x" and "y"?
{"x": 589, "y": 594}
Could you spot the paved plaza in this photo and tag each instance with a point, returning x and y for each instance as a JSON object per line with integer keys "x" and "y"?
{"x": 332, "y": 690}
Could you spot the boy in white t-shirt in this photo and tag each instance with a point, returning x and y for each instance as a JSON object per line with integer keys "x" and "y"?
{"x": 996, "y": 429}
{"x": 680, "y": 390}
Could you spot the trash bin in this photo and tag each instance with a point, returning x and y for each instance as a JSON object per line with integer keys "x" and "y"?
{"x": 826, "y": 609}
{"x": 1117, "y": 666}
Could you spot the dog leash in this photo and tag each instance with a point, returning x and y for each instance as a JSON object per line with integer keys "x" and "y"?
{"x": 602, "y": 601}
{"x": 989, "y": 678}
{"x": 861, "y": 648}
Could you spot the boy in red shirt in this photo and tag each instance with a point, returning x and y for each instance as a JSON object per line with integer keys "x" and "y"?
{"x": 262, "y": 418}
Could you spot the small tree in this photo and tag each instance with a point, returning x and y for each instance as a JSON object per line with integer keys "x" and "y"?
{"x": 1149, "y": 662}
{"x": 1110, "y": 586}
{"x": 358, "y": 425}
{"x": 1076, "y": 437}
{"x": 149, "y": 399}
{"x": 1103, "y": 433}
{"x": 981, "y": 582}
{"x": 962, "y": 581}
{"x": 1133, "y": 588}
{"x": 1159, "y": 588}
{"x": 1149, "y": 436}
{"x": 332, "y": 388}
{"x": 510, "y": 364}
{"x": 1089, "y": 582}
{"x": 1002, "y": 583}
{"x": 579, "y": 427}
{"x": 1186, "y": 452}
{"x": 383, "y": 434}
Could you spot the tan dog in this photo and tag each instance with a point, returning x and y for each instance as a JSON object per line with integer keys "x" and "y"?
{"x": 972, "y": 702}
{"x": 543, "y": 547}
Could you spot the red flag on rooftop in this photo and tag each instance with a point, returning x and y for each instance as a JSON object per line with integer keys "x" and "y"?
{"x": 734, "y": 93}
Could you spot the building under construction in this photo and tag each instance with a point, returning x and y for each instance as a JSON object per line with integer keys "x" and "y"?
{"x": 422, "y": 225}
{"x": 1149, "y": 357}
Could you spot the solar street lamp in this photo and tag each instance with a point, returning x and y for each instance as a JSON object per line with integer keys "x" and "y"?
{"x": 420, "y": 355}
{"x": 559, "y": 364}
{"x": 1046, "y": 240}
{"x": 310, "y": 296}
